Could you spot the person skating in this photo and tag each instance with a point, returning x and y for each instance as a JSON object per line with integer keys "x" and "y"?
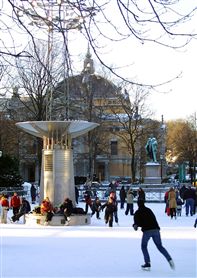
{"x": 110, "y": 208}
{"x": 145, "y": 218}
{"x": 96, "y": 207}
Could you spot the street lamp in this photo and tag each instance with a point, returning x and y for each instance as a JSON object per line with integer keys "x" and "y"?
{"x": 161, "y": 159}
{"x": 162, "y": 150}
{"x": 1, "y": 153}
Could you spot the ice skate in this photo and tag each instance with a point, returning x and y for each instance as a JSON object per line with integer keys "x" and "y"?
{"x": 171, "y": 263}
{"x": 146, "y": 266}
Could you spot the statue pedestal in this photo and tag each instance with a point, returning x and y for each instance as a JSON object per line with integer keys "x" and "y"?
{"x": 152, "y": 173}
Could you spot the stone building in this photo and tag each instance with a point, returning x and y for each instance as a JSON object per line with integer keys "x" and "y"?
{"x": 102, "y": 152}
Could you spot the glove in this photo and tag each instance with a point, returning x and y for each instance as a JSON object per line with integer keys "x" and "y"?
{"x": 135, "y": 227}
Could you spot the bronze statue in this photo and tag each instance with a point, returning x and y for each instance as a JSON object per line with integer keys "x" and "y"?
{"x": 151, "y": 149}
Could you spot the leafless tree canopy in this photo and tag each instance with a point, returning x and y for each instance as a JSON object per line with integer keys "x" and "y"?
{"x": 100, "y": 22}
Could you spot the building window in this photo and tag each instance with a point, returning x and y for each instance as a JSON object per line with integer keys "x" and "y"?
{"x": 114, "y": 147}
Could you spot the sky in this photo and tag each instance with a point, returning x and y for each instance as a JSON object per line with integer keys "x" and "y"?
{"x": 147, "y": 64}
{"x": 95, "y": 250}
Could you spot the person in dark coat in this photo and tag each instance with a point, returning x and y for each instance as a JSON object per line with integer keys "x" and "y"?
{"x": 122, "y": 197}
{"x": 88, "y": 201}
{"x": 33, "y": 193}
{"x": 76, "y": 195}
{"x": 66, "y": 208}
{"x": 141, "y": 194}
{"x": 189, "y": 198}
{"x": 110, "y": 208}
{"x": 145, "y": 218}
{"x": 96, "y": 207}
{"x": 24, "y": 208}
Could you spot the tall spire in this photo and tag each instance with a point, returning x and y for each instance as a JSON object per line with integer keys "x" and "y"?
{"x": 88, "y": 63}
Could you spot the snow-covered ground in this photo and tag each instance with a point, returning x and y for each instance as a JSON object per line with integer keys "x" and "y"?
{"x": 29, "y": 251}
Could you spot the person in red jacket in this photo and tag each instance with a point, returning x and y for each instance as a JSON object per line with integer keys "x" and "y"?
{"x": 15, "y": 203}
{"x": 5, "y": 208}
{"x": 47, "y": 210}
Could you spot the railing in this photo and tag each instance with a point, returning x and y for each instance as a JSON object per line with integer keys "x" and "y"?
{"x": 10, "y": 191}
{"x": 155, "y": 194}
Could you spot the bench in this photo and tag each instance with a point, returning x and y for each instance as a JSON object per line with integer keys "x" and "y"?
{"x": 58, "y": 220}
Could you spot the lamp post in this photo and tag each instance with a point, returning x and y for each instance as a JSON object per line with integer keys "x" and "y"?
{"x": 162, "y": 149}
{"x": 161, "y": 159}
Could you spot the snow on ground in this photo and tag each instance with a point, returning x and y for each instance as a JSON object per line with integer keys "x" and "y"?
{"x": 94, "y": 251}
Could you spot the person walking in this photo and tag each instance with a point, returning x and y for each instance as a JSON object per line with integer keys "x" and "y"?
{"x": 189, "y": 198}
{"x": 4, "y": 209}
{"x": 130, "y": 197}
{"x": 172, "y": 202}
{"x": 145, "y": 218}
{"x": 122, "y": 197}
{"x": 15, "y": 203}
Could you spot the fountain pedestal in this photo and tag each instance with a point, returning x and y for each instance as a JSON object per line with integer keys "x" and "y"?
{"x": 57, "y": 175}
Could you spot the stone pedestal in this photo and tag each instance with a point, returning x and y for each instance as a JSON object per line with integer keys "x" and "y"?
{"x": 58, "y": 220}
{"x": 152, "y": 173}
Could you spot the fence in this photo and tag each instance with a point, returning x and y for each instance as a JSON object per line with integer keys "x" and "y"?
{"x": 155, "y": 194}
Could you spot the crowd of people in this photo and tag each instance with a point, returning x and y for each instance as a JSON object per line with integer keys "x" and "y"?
{"x": 175, "y": 199}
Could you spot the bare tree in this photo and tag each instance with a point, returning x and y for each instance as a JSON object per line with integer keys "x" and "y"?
{"x": 167, "y": 23}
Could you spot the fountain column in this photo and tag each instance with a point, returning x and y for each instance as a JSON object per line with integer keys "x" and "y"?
{"x": 57, "y": 174}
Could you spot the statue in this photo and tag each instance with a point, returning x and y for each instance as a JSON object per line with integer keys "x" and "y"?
{"x": 151, "y": 149}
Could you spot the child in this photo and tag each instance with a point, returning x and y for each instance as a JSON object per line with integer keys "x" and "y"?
{"x": 179, "y": 203}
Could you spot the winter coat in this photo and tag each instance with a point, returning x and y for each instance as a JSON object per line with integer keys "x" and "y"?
{"x": 67, "y": 206}
{"x": 4, "y": 202}
{"x": 110, "y": 207}
{"x": 145, "y": 218}
{"x": 130, "y": 196}
{"x": 122, "y": 194}
{"x": 141, "y": 194}
{"x": 179, "y": 203}
{"x": 96, "y": 205}
{"x": 25, "y": 207}
{"x": 46, "y": 207}
{"x": 172, "y": 199}
{"x": 189, "y": 194}
{"x": 88, "y": 199}
{"x": 15, "y": 202}
{"x": 33, "y": 191}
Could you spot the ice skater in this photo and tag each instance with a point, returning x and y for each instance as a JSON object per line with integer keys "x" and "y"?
{"x": 145, "y": 218}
